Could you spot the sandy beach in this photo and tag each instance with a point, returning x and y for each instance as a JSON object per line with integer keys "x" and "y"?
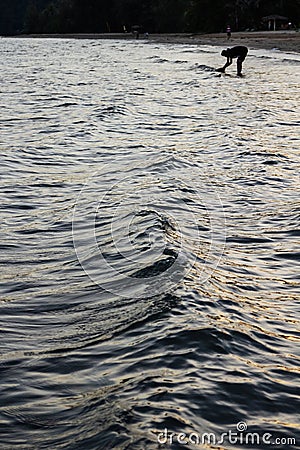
{"x": 288, "y": 41}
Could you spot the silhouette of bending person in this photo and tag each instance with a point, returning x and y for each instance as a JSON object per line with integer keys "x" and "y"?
{"x": 239, "y": 52}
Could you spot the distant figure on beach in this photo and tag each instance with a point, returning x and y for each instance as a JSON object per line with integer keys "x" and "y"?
{"x": 228, "y": 31}
{"x": 136, "y": 31}
{"x": 239, "y": 52}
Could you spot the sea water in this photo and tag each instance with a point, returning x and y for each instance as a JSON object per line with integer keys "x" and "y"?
{"x": 150, "y": 246}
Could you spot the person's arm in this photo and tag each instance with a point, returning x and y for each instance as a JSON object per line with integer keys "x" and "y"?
{"x": 228, "y": 62}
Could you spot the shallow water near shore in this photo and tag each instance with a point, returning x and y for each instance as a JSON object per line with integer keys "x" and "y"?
{"x": 149, "y": 246}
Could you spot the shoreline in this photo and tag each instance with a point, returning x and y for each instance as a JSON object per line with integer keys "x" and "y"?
{"x": 287, "y": 41}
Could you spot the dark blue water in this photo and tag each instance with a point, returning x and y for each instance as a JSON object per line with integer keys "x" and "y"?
{"x": 150, "y": 247}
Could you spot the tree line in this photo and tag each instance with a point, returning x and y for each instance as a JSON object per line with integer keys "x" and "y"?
{"x": 154, "y": 16}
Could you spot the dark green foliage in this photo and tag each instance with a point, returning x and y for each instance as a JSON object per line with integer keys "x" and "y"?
{"x": 159, "y": 16}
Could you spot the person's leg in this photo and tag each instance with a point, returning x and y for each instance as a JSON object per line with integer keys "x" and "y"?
{"x": 240, "y": 61}
{"x": 239, "y": 65}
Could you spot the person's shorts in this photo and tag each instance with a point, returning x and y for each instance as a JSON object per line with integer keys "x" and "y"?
{"x": 242, "y": 57}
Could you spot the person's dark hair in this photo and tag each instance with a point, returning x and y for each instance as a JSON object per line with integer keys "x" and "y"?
{"x": 224, "y": 53}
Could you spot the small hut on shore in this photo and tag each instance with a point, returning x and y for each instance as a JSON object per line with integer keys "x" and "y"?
{"x": 273, "y": 21}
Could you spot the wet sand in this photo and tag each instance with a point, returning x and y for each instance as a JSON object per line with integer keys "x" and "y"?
{"x": 288, "y": 41}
